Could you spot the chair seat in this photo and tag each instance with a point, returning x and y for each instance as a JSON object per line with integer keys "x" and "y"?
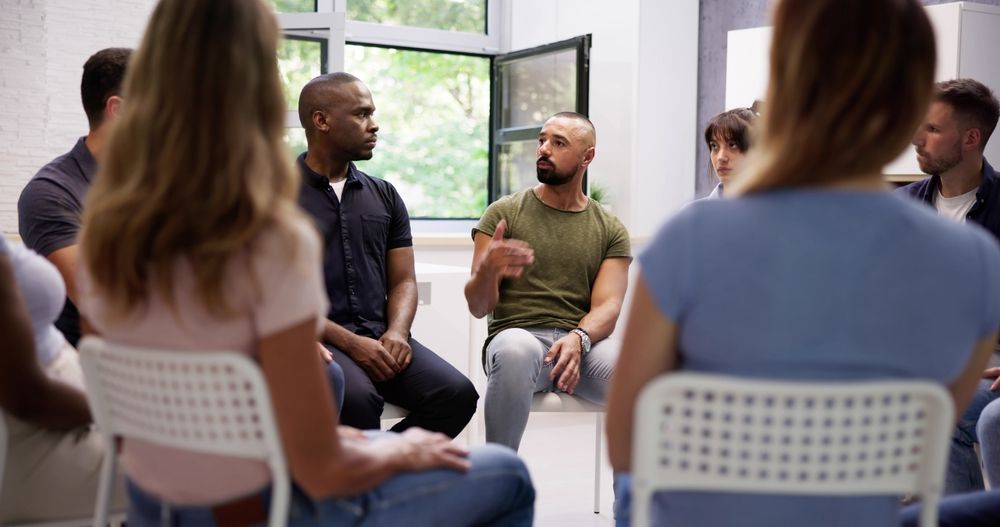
{"x": 391, "y": 411}
{"x": 562, "y": 402}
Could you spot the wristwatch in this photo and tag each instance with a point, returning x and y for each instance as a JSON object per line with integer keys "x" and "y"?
{"x": 584, "y": 340}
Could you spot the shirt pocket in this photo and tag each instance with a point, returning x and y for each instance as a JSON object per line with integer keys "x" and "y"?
{"x": 375, "y": 228}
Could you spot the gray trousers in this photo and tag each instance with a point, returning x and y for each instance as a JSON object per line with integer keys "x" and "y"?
{"x": 515, "y": 372}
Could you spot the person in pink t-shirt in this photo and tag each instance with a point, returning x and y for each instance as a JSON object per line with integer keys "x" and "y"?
{"x": 192, "y": 240}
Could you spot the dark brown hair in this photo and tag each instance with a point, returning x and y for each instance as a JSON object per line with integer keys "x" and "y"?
{"x": 102, "y": 79}
{"x": 732, "y": 125}
{"x": 974, "y": 105}
{"x": 849, "y": 82}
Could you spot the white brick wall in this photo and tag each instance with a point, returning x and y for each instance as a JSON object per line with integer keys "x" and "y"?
{"x": 43, "y": 45}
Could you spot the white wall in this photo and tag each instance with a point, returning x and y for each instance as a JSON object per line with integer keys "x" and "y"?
{"x": 43, "y": 45}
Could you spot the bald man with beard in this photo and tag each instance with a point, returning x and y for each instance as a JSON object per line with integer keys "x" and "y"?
{"x": 551, "y": 267}
{"x": 369, "y": 271}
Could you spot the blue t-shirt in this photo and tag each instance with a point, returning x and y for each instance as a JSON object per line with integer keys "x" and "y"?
{"x": 825, "y": 285}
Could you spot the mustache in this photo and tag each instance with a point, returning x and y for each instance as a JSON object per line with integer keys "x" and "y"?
{"x": 543, "y": 158}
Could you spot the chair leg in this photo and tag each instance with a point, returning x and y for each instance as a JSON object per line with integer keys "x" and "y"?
{"x": 597, "y": 463}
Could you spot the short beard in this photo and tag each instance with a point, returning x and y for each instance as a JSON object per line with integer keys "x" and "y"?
{"x": 940, "y": 165}
{"x": 552, "y": 177}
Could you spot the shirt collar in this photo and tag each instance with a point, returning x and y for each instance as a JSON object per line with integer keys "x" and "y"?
{"x": 81, "y": 154}
{"x": 317, "y": 180}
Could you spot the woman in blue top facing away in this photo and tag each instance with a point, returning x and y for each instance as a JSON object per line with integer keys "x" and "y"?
{"x": 837, "y": 278}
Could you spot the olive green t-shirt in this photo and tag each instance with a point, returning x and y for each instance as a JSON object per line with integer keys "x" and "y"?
{"x": 569, "y": 248}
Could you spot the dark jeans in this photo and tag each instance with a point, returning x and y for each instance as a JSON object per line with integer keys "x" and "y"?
{"x": 438, "y": 397}
{"x": 975, "y": 509}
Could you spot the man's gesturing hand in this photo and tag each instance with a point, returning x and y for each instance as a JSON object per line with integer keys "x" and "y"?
{"x": 506, "y": 258}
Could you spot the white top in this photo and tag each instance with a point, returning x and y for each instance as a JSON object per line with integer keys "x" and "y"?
{"x": 338, "y": 188}
{"x": 956, "y": 208}
{"x": 44, "y": 294}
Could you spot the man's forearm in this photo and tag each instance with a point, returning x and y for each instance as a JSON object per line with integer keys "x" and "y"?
{"x": 401, "y": 307}
{"x": 338, "y": 335}
{"x": 482, "y": 292}
{"x": 600, "y": 322}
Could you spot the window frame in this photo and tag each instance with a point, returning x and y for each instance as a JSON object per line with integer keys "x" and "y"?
{"x": 499, "y": 135}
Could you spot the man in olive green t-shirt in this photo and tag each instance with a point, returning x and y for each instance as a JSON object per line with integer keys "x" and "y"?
{"x": 551, "y": 266}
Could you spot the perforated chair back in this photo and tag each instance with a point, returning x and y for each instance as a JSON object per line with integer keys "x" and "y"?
{"x": 208, "y": 402}
{"x": 718, "y": 433}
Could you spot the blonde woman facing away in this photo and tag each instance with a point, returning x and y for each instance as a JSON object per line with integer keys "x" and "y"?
{"x": 192, "y": 240}
{"x": 828, "y": 258}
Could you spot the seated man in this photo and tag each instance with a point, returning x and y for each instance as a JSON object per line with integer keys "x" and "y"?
{"x": 51, "y": 204}
{"x": 554, "y": 288}
{"x": 369, "y": 270}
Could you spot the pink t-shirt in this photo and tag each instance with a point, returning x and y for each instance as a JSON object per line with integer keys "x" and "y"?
{"x": 291, "y": 291}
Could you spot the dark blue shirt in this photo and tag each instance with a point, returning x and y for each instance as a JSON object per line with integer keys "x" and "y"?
{"x": 48, "y": 214}
{"x": 985, "y": 211}
{"x": 358, "y": 232}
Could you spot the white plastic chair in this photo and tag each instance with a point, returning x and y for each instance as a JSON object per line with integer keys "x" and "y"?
{"x": 209, "y": 402}
{"x": 564, "y": 402}
{"x": 718, "y": 433}
{"x": 391, "y": 411}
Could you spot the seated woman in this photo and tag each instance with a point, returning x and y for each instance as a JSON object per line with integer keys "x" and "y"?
{"x": 828, "y": 258}
{"x": 53, "y": 456}
{"x": 728, "y": 138}
{"x": 192, "y": 240}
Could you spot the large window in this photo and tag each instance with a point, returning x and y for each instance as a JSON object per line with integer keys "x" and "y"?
{"x": 449, "y": 15}
{"x": 428, "y": 65}
{"x": 433, "y": 111}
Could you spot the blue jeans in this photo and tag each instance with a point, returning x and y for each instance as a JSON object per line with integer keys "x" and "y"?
{"x": 975, "y": 509}
{"x": 963, "y": 473}
{"x": 497, "y": 490}
{"x": 515, "y": 370}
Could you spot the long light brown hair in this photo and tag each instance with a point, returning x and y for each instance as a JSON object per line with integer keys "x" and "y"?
{"x": 849, "y": 82}
{"x": 195, "y": 167}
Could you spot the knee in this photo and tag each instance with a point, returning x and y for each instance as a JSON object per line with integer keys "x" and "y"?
{"x": 492, "y": 457}
{"x": 513, "y": 348}
{"x": 989, "y": 421}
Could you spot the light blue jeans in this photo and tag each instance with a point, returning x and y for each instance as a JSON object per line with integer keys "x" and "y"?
{"x": 496, "y": 491}
{"x": 975, "y": 425}
{"x": 515, "y": 370}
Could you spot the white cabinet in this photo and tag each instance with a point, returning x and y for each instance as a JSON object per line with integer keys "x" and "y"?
{"x": 968, "y": 41}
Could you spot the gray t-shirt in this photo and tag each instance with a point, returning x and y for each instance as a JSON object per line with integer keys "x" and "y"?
{"x": 825, "y": 285}
{"x": 569, "y": 250}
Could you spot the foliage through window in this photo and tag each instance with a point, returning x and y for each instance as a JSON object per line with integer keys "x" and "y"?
{"x": 433, "y": 113}
{"x": 293, "y": 6}
{"x": 450, "y": 15}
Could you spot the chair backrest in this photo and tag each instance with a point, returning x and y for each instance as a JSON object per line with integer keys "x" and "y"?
{"x": 208, "y": 402}
{"x": 719, "y": 433}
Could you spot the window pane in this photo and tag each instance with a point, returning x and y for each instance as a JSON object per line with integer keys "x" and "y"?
{"x": 516, "y": 162}
{"x": 451, "y": 15}
{"x": 299, "y": 60}
{"x": 293, "y": 6}
{"x": 433, "y": 112}
{"x": 537, "y": 87}
{"x": 295, "y": 140}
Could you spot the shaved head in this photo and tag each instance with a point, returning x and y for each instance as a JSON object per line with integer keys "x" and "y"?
{"x": 322, "y": 93}
{"x": 582, "y": 127}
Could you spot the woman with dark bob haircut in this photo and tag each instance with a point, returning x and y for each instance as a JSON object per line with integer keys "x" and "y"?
{"x": 728, "y": 136}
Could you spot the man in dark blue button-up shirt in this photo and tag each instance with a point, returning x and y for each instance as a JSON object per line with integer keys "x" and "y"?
{"x": 964, "y": 187}
{"x": 369, "y": 270}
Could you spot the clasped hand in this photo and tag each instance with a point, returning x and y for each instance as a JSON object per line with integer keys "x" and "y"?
{"x": 567, "y": 354}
